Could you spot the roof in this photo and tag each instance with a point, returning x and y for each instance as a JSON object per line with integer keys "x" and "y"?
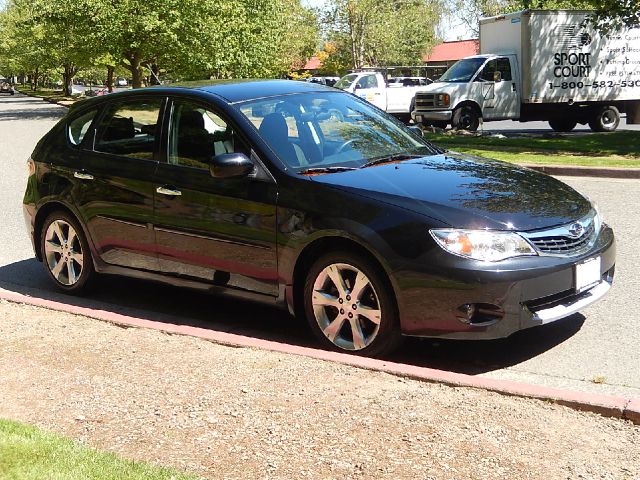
{"x": 313, "y": 63}
{"x": 448, "y": 51}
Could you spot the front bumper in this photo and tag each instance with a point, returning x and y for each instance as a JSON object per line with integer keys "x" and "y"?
{"x": 419, "y": 116}
{"x": 524, "y": 293}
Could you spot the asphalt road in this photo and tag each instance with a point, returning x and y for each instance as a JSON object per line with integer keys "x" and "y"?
{"x": 509, "y": 126}
{"x": 595, "y": 351}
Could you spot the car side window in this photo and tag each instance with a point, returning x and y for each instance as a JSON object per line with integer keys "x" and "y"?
{"x": 368, "y": 81}
{"x": 78, "y": 127}
{"x": 198, "y": 134}
{"x": 504, "y": 67}
{"x": 488, "y": 71}
{"x": 130, "y": 129}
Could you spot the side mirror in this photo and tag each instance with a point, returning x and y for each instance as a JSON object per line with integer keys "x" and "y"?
{"x": 227, "y": 165}
{"x": 497, "y": 76}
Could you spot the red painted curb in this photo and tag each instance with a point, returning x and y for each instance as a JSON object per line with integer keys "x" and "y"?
{"x": 606, "y": 405}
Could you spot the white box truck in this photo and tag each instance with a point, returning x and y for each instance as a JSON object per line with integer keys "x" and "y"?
{"x": 539, "y": 65}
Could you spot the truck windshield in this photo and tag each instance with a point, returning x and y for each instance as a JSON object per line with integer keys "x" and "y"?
{"x": 345, "y": 82}
{"x": 463, "y": 70}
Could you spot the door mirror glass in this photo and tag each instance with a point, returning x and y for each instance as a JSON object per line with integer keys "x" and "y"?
{"x": 417, "y": 130}
{"x": 227, "y": 165}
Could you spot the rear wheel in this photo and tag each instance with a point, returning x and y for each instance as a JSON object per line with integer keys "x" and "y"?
{"x": 466, "y": 118}
{"x": 350, "y": 306}
{"x": 606, "y": 119}
{"x": 65, "y": 252}
{"x": 562, "y": 125}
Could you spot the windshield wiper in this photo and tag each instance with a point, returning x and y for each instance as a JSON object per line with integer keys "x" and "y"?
{"x": 316, "y": 170}
{"x": 391, "y": 159}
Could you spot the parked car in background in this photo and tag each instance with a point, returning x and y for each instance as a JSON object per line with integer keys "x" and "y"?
{"x": 352, "y": 221}
{"x": 121, "y": 82}
{"x": 409, "y": 81}
{"x": 6, "y": 87}
{"x": 329, "y": 81}
{"x": 396, "y": 97}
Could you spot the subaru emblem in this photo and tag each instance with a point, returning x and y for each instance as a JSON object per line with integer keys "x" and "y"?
{"x": 576, "y": 230}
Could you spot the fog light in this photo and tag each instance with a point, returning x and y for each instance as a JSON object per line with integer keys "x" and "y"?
{"x": 479, "y": 314}
{"x": 465, "y": 312}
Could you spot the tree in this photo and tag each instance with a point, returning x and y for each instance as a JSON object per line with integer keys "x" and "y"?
{"x": 379, "y": 32}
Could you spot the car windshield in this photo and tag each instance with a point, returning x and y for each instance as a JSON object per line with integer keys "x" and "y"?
{"x": 346, "y": 81}
{"x": 327, "y": 130}
{"x": 463, "y": 70}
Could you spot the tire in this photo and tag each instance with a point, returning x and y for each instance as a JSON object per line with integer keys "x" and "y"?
{"x": 563, "y": 125}
{"x": 62, "y": 238}
{"x": 339, "y": 320}
{"x": 465, "y": 118}
{"x": 606, "y": 119}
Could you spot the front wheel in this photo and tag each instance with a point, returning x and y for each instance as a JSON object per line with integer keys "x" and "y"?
{"x": 465, "y": 118}
{"x": 349, "y": 305}
{"x": 65, "y": 252}
{"x": 562, "y": 125}
{"x": 605, "y": 119}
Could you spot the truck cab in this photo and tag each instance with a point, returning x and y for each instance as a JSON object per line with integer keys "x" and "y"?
{"x": 480, "y": 86}
{"x": 394, "y": 97}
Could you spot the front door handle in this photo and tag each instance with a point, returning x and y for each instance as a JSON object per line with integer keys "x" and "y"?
{"x": 169, "y": 191}
{"x": 82, "y": 175}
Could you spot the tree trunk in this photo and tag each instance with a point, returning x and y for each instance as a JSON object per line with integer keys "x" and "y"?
{"x": 110, "y": 71}
{"x": 36, "y": 75}
{"x": 70, "y": 71}
{"x": 155, "y": 74}
{"x": 133, "y": 60}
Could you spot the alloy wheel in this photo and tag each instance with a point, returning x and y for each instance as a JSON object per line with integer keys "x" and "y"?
{"x": 63, "y": 252}
{"x": 346, "y": 306}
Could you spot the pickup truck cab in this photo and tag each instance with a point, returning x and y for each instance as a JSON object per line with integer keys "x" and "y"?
{"x": 394, "y": 97}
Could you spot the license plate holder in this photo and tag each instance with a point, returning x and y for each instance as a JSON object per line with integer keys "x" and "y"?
{"x": 587, "y": 274}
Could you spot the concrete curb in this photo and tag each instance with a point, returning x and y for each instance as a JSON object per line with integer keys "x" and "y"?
{"x": 605, "y": 405}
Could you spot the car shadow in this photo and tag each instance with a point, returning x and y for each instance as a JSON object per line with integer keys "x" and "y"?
{"x": 223, "y": 313}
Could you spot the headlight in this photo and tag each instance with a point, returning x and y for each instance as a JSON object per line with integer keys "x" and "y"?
{"x": 483, "y": 245}
{"x": 442, "y": 100}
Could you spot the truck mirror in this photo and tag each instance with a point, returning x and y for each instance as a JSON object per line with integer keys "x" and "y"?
{"x": 497, "y": 76}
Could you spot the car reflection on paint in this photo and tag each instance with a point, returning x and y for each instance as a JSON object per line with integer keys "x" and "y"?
{"x": 311, "y": 198}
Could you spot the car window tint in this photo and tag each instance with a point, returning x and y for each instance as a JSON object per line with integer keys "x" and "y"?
{"x": 78, "y": 127}
{"x": 130, "y": 129}
{"x": 504, "y": 67}
{"x": 198, "y": 134}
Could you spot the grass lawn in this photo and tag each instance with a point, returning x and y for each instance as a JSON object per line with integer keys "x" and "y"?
{"x": 48, "y": 93}
{"x": 27, "y": 453}
{"x": 618, "y": 149}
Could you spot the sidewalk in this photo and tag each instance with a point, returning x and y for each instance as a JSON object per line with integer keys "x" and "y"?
{"x": 226, "y": 412}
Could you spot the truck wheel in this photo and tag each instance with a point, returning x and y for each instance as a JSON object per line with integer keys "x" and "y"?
{"x": 562, "y": 125}
{"x": 466, "y": 118}
{"x": 606, "y": 119}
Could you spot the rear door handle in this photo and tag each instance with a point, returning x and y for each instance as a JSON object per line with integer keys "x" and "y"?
{"x": 82, "y": 175}
{"x": 169, "y": 191}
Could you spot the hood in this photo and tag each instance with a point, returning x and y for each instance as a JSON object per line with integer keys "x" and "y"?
{"x": 467, "y": 192}
{"x": 441, "y": 87}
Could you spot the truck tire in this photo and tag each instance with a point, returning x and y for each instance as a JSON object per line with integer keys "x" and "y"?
{"x": 562, "y": 125}
{"x": 605, "y": 119}
{"x": 465, "y": 118}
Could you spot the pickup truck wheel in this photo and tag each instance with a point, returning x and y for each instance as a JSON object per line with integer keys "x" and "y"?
{"x": 562, "y": 125}
{"x": 466, "y": 118}
{"x": 606, "y": 119}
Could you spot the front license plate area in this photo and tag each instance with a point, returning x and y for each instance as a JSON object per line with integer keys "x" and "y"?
{"x": 587, "y": 274}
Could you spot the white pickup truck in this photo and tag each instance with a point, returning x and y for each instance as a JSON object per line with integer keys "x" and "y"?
{"x": 395, "y": 96}
{"x": 539, "y": 65}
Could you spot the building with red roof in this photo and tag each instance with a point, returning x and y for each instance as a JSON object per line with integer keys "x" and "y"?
{"x": 447, "y": 53}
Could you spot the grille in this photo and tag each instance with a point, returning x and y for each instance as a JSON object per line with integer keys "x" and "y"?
{"x": 425, "y": 101}
{"x": 560, "y": 242}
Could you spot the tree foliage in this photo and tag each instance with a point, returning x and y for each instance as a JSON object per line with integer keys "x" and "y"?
{"x": 188, "y": 39}
{"x": 382, "y": 32}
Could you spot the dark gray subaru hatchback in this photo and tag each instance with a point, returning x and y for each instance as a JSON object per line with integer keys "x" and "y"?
{"x": 314, "y": 199}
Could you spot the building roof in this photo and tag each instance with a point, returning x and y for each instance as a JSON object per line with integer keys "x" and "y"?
{"x": 313, "y": 63}
{"x": 452, "y": 51}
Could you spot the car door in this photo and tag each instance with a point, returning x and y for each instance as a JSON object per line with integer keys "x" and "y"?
{"x": 499, "y": 90}
{"x": 370, "y": 88}
{"x": 113, "y": 188}
{"x": 222, "y": 230}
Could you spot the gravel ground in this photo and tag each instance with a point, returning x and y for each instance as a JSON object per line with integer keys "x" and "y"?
{"x": 224, "y": 412}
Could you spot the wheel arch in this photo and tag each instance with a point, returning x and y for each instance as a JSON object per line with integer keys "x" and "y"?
{"x": 327, "y": 243}
{"x": 469, "y": 103}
